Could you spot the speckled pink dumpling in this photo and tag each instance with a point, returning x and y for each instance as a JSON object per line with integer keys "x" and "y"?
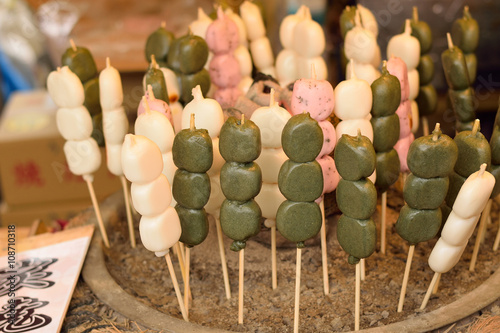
{"x": 224, "y": 70}
{"x": 329, "y": 137}
{"x": 222, "y": 34}
{"x": 331, "y": 176}
{"x": 397, "y": 67}
{"x": 313, "y": 96}
{"x": 155, "y": 104}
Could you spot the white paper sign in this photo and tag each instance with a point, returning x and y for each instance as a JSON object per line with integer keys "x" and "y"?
{"x": 43, "y": 282}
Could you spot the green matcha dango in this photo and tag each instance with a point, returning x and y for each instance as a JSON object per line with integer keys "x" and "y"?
{"x": 158, "y": 44}
{"x": 387, "y": 168}
{"x": 425, "y": 193}
{"x": 385, "y": 132}
{"x": 302, "y": 138}
{"x": 455, "y": 67}
{"x": 358, "y": 156}
{"x": 301, "y": 181}
{"x": 298, "y": 221}
{"x": 191, "y": 189}
{"x": 432, "y": 155}
{"x": 80, "y": 61}
{"x": 465, "y": 32}
{"x": 462, "y": 102}
{"x": 240, "y": 181}
{"x": 418, "y": 225}
{"x": 155, "y": 78}
{"x": 386, "y": 91}
{"x": 357, "y": 199}
{"x": 240, "y": 221}
{"x": 194, "y": 224}
{"x": 189, "y": 81}
{"x": 243, "y": 134}
{"x": 425, "y": 69}
{"x": 92, "y": 101}
{"x": 192, "y": 150}
{"x": 356, "y": 237}
{"x": 456, "y": 182}
{"x": 473, "y": 150}
{"x": 427, "y": 100}
{"x": 347, "y": 20}
{"x": 188, "y": 54}
{"x": 422, "y": 32}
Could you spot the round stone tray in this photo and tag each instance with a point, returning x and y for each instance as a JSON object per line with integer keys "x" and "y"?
{"x": 109, "y": 292}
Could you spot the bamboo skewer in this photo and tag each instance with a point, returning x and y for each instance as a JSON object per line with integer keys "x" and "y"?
{"x": 383, "y": 223}
{"x": 324, "y": 259}
{"x": 296, "y": 315}
{"x": 429, "y": 290}
{"x": 480, "y": 231}
{"x": 362, "y": 268}
{"x": 274, "y": 271}
{"x": 88, "y": 179}
{"x": 405, "y": 278}
{"x": 241, "y": 282}
{"x": 187, "y": 288}
{"x": 223, "y": 261}
{"x": 357, "y": 297}
{"x": 128, "y": 210}
{"x": 176, "y": 286}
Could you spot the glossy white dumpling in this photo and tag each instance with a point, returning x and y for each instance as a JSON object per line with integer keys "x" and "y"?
{"x": 141, "y": 159}
{"x": 114, "y": 159}
{"x": 457, "y": 230}
{"x": 287, "y": 26}
{"x": 171, "y": 83}
{"x": 353, "y": 99}
{"x": 83, "y": 157}
{"x": 244, "y": 59}
{"x": 218, "y": 160}
{"x": 110, "y": 88}
{"x": 200, "y": 25}
{"x": 271, "y": 120}
{"x": 474, "y": 194}
{"x": 156, "y": 127}
{"x": 216, "y": 196}
{"x": 286, "y": 67}
{"x": 269, "y": 199}
{"x": 262, "y": 52}
{"x": 176, "y": 109}
{"x": 65, "y": 88}
{"x": 114, "y": 125}
{"x": 160, "y": 232}
{"x": 445, "y": 256}
{"x": 406, "y": 47}
{"x": 368, "y": 19}
{"x": 351, "y": 127}
{"x": 169, "y": 167}
{"x": 360, "y": 44}
{"x": 270, "y": 162}
{"x": 251, "y": 16}
{"x": 414, "y": 116}
{"x": 151, "y": 198}
{"x": 74, "y": 123}
{"x": 304, "y": 66}
{"x": 207, "y": 113}
{"x": 413, "y": 83}
{"x": 308, "y": 38}
{"x": 364, "y": 72}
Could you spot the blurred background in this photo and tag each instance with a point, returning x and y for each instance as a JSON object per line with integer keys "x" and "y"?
{"x": 35, "y": 33}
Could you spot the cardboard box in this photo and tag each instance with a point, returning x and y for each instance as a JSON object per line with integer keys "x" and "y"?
{"x": 24, "y": 215}
{"x": 33, "y": 166}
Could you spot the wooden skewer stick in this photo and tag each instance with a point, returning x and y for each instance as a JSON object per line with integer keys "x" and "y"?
{"x": 324, "y": 258}
{"x": 179, "y": 251}
{"x": 436, "y": 286}
{"x": 425, "y": 125}
{"x": 486, "y": 212}
{"x": 429, "y": 290}
{"x": 357, "y": 297}
{"x": 73, "y": 45}
{"x": 186, "y": 282}
{"x": 383, "y": 223}
{"x": 480, "y": 231}
{"x": 128, "y": 210}
{"x": 241, "y": 282}
{"x": 88, "y": 179}
{"x": 363, "y": 268}
{"x": 222, "y": 254}
{"x": 298, "y": 266}
{"x": 405, "y": 278}
{"x": 497, "y": 239}
{"x": 274, "y": 271}
{"x": 176, "y": 286}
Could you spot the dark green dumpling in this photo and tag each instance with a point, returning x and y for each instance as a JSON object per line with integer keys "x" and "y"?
{"x": 92, "y": 101}
{"x": 302, "y": 138}
{"x": 456, "y": 182}
{"x": 298, "y": 221}
{"x": 473, "y": 150}
{"x": 188, "y": 54}
{"x": 158, "y": 44}
{"x": 301, "y": 181}
{"x": 463, "y": 126}
{"x": 191, "y": 190}
{"x": 354, "y": 157}
{"x": 357, "y": 199}
{"x": 462, "y": 102}
{"x": 429, "y": 158}
{"x": 192, "y": 150}
{"x": 495, "y": 140}
{"x": 156, "y": 79}
{"x": 80, "y": 62}
{"x": 421, "y": 193}
{"x": 240, "y": 181}
{"x": 240, "y": 221}
{"x": 386, "y": 91}
{"x": 239, "y": 142}
{"x": 347, "y": 20}
{"x": 415, "y": 225}
{"x": 471, "y": 61}
{"x": 427, "y": 100}
{"x": 194, "y": 224}
{"x": 97, "y": 130}
{"x": 495, "y": 171}
{"x": 455, "y": 68}
{"x": 189, "y": 81}
{"x": 385, "y": 132}
{"x": 357, "y": 237}
{"x": 388, "y": 169}
{"x": 422, "y": 31}
{"x": 465, "y": 32}
{"x": 425, "y": 69}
